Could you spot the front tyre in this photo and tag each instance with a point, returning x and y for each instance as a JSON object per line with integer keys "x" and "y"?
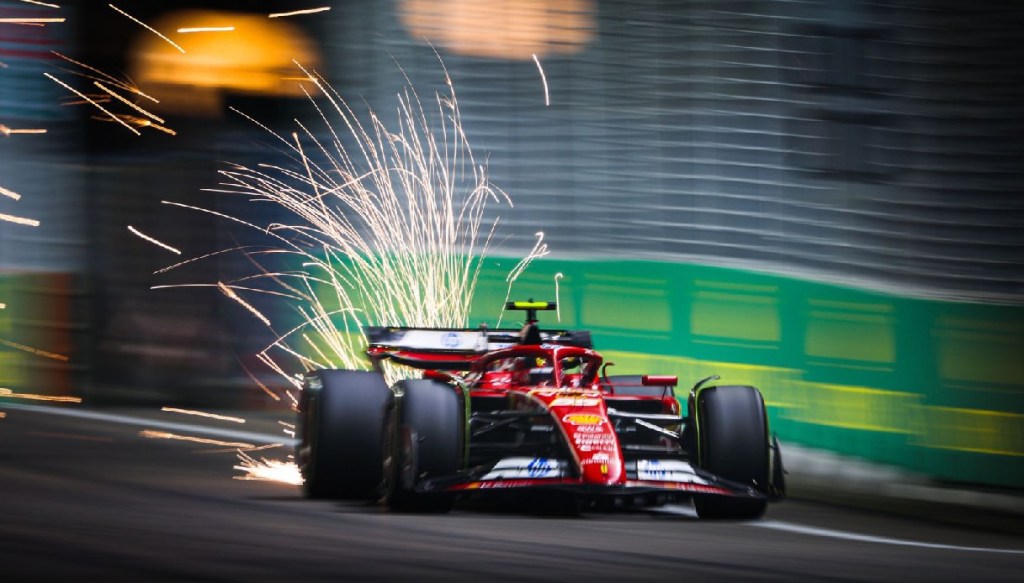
{"x": 732, "y": 443}
{"x": 341, "y": 437}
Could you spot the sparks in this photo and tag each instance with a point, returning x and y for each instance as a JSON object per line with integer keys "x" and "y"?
{"x": 204, "y": 440}
{"x": 259, "y": 383}
{"x": 10, "y": 193}
{"x": 87, "y": 98}
{"x": 6, "y": 131}
{"x": 540, "y": 249}
{"x": 126, "y": 86}
{"x": 544, "y": 80}
{"x": 35, "y": 351}
{"x": 128, "y": 103}
{"x": 19, "y": 220}
{"x": 9, "y": 394}
{"x": 231, "y": 294}
{"x": 40, "y": 3}
{"x": 141, "y": 122}
{"x": 268, "y": 470}
{"x": 206, "y": 29}
{"x": 298, "y": 12}
{"x": 147, "y": 27}
{"x": 390, "y": 231}
{"x": 139, "y": 234}
{"x": 203, "y": 414}
{"x": 558, "y": 304}
{"x": 31, "y": 21}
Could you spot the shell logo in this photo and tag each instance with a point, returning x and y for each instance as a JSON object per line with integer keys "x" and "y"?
{"x": 582, "y": 419}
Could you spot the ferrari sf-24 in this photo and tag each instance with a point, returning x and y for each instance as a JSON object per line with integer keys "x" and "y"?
{"x": 529, "y": 411}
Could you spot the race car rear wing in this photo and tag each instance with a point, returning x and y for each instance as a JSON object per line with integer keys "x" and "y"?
{"x": 454, "y": 348}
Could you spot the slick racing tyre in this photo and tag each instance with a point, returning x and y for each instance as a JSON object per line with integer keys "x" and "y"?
{"x": 341, "y": 438}
{"x": 632, "y": 386}
{"x": 732, "y": 443}
{"x": 428, "y": 442}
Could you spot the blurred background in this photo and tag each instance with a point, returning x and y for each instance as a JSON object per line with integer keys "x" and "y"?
{"x": 819, "y": 198}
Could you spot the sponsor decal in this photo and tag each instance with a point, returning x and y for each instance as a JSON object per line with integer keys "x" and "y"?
{"x": 524, "y": 467}
{"x": 582, "y": 419}
{"x": 586, "y": 442}
{"x": 575, "y": 402}
{"x": 450, "y": 340}
{"x": 542, "y": 468}
{"x": 665, "y": 471}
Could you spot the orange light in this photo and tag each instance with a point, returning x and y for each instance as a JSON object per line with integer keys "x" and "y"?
{"x": 256, "y": 57}
{"x": 504, "y": 29}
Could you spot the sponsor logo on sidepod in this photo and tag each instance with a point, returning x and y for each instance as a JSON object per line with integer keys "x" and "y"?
{"x": 541, "y": 467}
{"x": 582, "y": 419}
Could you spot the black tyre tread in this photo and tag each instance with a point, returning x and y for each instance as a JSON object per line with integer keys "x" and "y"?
{"x": 343, "y": 427}
{"x": 436, "y": 413}
{"x": 733, "y": 444}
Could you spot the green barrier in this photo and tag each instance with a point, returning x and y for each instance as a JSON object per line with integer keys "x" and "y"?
{"x": 35, "y": 333}
{"x": 9, "y": 357}
{"x": 935, "y": 387}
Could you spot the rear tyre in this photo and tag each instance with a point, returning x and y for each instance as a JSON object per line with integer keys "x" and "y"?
{"x": 428, "y": 443}
{"x": 732, "y": 443}
{"x": 341, "y": 438}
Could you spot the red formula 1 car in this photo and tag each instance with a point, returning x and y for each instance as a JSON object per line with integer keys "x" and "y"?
{"x": 529, "y": 411}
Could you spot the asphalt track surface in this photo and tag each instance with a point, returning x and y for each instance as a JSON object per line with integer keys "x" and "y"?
{"x": 91, "y": 499}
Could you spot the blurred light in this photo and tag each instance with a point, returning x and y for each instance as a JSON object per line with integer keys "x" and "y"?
{"x": 9, "y": 394}
{"x": 257, "y": 57}
{"x": 19, "y": 220}
{"x": 203, "y": 414}
{"x": 506, "y": 29}
{"x": 152, "y": 434}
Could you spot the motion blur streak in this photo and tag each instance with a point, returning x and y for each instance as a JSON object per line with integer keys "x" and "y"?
{"x": 35, "y": 351}
{"x": 35, "y": 21}
{"x": 203, "y": 414}
{"x": 204, "y": 440}
{"x": 18, "y": 219}
{"x": 9, "y": 394}
{"x": 10, "y": 193}
{"x": 206, "y": 29}
{"x": 11, "y": 131}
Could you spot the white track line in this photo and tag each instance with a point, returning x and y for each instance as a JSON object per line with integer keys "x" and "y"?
{"x": 829, "y": 533}
{"x": 247, "y": 436}
{"x": 839, "y": 534}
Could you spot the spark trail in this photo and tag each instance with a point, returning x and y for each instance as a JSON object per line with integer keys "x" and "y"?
{"x": 385, "y": 224}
